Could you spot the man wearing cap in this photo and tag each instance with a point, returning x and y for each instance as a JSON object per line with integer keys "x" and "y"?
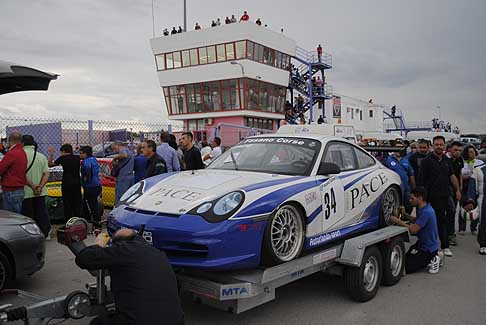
{"x": 399, "y": 163}
{"x": 142, "y": 281}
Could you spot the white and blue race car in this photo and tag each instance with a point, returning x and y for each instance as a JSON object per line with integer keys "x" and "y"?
{"x": 265, "y": 201}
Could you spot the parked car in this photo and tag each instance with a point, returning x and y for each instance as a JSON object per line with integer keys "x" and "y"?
{"x": 54, "y": 200}
{"x": 22, "y": 247}
{"x": 104, "y": 150}
{"x": 265, "y": 201}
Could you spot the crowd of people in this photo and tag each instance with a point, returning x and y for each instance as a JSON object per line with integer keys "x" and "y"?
{"x": 24, "y": 173}
{"x": 446, "y": 181}
{"x": 443, "y": 126}
{"x": 217, "y": 22}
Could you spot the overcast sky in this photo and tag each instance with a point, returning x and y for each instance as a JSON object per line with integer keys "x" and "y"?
{"x": 416, "y": 54}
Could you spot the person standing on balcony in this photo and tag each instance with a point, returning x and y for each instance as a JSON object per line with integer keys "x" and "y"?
{"x": 218, "y": 22}
{"x": 12, "y": 174}
{"x": 258, "y": 22}
{"x": 71, "y": 183}
{"x": 179, "y": 31}
{"x": 165, "y": 32}
{"x": 173, "y": 31}
{"x": 227, "y": 20}
{"x": 167, "y": 152}
{"x": 213, "y": 23}
{"x": 198, "y": 27}
{"x": 124, "y": 162}
{"x": 233, "y": 19}
{"x": 393, "y": 110}
{"x": 245, "y": 16}
{"x": 319, "y": 52}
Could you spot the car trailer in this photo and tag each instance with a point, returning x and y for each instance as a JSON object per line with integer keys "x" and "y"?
{"x": 366, "y": 261}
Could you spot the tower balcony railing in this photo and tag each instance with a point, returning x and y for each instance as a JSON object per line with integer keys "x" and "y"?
{"x": 312, "y": 57}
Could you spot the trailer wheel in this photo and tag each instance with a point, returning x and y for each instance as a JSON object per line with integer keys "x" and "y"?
{"x": 363, "y": 282}
{"x": 284, "y": 236}
{"x": 5, "y": 270}
{"x": 393, "y": 261}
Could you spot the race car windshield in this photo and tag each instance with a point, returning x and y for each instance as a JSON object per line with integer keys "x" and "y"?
{"x": 288, "y": 156}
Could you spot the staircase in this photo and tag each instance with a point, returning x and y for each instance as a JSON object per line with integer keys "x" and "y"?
{"x": 308, "y": 66}
{"x": 395, "y": 122}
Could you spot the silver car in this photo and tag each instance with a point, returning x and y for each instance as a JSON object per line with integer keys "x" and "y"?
{"x": 22, "y": 247}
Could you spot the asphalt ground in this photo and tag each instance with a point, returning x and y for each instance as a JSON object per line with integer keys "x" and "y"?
{"x": 456, "y": 295}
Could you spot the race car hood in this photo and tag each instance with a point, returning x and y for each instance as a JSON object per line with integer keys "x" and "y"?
{"x": 183, "y": 191}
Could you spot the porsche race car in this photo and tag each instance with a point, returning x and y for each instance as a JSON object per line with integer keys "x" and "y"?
{"x": 265, "y": 201}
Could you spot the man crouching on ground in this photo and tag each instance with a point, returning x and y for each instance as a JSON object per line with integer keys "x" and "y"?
{"x": 425, "y": 252}
{"x": 142, "y": 281}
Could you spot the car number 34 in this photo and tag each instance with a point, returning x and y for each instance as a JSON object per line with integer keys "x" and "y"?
{"x": 332, "y": 197}
{"x": 329, "y": 200}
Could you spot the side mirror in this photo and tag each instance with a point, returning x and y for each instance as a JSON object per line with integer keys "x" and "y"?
{"x": 326, "y": 168}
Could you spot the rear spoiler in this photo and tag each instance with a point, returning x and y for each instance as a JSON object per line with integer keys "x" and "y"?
{"x": 382, "y": 148}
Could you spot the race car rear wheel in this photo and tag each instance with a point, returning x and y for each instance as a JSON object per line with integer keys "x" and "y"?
{"x": 284, "y": 236}
{"x": 390, "y": 202}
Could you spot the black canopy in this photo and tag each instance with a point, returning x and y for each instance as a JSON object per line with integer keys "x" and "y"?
{"x": 16, "y": 77}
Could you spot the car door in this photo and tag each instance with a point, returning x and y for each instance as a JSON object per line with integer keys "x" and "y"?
{"x": 332, "y": 191}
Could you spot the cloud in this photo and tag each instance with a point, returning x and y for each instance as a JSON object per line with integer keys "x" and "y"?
{"x": 414, "y": 54}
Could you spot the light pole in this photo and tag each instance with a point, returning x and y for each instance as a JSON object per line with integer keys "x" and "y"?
{"x": 440, "y": 112}
{"x": 241, "y": 66}
{"x": 185, "y": 16}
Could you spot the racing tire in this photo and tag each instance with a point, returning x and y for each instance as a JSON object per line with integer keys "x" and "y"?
{"x": 393, "y": 255}
{"x": 284, "y": 236}
{"x": 390, "y": 202}
{"x": 5, "y": 271}
{"x": 362, "y": 283}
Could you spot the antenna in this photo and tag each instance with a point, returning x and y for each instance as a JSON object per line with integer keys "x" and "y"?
{"x": 153, "y": 19}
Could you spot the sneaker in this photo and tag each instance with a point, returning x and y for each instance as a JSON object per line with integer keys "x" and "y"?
{"x": 442, "y": 258}
{"x": 461, "y": 232}
{"x": 434, "y": 265}
{"x": 48, "y": 237}
{"x": 447, "y": 252}
{"x": 482, "y": 250}
{"x": 453, "y": 241}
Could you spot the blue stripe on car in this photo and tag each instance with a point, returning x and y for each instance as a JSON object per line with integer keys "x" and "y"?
{"x": 356, "y": 180}
{"x": 314, "y": 214}
{"x": 261, "y": 185}
{"x": 269, "y": 202}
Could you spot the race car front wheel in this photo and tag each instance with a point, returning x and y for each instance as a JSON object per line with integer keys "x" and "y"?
{"x": 5, "y": 270}
{"x": 284, "y": 236}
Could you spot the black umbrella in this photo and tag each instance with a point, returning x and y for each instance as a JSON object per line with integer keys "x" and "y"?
{"x": 15, "y": 77}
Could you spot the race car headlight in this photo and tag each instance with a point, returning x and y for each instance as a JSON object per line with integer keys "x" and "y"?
{"x": 31, "y": 228}
{"x": 227, "y": 203}
{"x": 132, "y": 193}
{"x": 221, "y": 208}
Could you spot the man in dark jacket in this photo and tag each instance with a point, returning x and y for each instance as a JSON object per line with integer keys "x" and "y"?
{"x": 416, "y": 158}
{"x": 142, "y": 281}
{"x": 192, "y": 155}
{"x": 155, "y": 164}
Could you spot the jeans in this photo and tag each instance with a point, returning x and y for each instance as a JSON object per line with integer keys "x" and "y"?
{"x": 35, "y": 208}
{"x": 91, "y": 195}
{"x": 123, "y": 183}
{"x": 12, "y": 200}
{"x": 451, "y": 216}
